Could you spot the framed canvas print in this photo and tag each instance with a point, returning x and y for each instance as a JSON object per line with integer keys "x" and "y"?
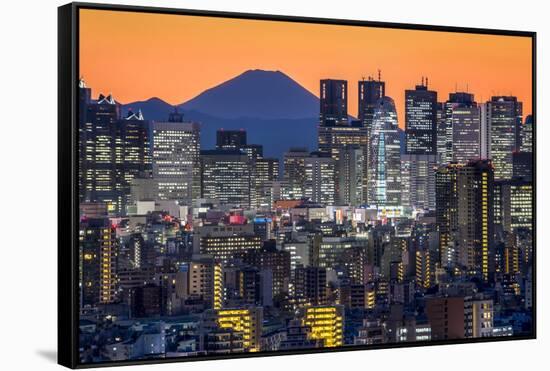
{"x": 236, "y": 185}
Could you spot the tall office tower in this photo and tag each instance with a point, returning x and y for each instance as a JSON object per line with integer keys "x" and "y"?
{"x": 310, "y": 285}
{"x": 446, "y": 316}
{"x": 515, "y": 203}
{"x": 456, "y": 100}
{"x": 504, "y": 114}
{"x": 320, "y": 178}
{"x": 326, "y": 324}
{"x": 369, "y": 92}
{"x": 421, "y": 120}
{"x": 333, "y": 138}
{"x": 230, "y": 139}
{"x": 98, "y": 251}
{"x": 98, "y": 165}
{"x": 224, "y": 242}
{"x": 446, "y": 213}
{"x": 132, "y": 154}
{"x": 295, "y": 171}
{"x": 333, "y": 102}
{"x": 465, "y": 118}
{"x": 201, "y": 278}
{"x": 84, "y": 99}
{"x": 271, "y": 259}
{"x": 267, "y": 170}
{"x": 526, "y": 135}
{"x": 350, "y": 167}
{"x": 441, "y": 134}
{"x": 176, "y": 159}
{"x": 384, "y": 167}
{"x": 248, "y": 321}
{"x": 484, "y": 132}
{"x": 475, "y": 184}
{"x": 418, "y": 181}
{"x": 226, "y": 175}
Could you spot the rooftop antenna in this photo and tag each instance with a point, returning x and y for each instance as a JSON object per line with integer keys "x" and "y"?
{"x": 422, "y": 81}
{"x": 467, "y": 88}
{"x": 379, "y": 75}
{"x": 426, "y": 81}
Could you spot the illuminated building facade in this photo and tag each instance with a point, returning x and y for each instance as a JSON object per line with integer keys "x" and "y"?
{"x": 226, "y": 175}
{"x": 384, "y": 167}
{"x": 326, "y": 324}
{"x": 505, "y": 115}
{"x": 320, "y": 178}
{"x": 98, "y": 252}
{"x": 176, "y": 166}
{"x": 421, "y": 120}
{"x": 98, "y": 139}
{"x": 418, "y": 181}
{"x": 526, "y": 135}
{"x": 475, "y": 184}
{"x": 446, "y": 193}
{"x": 248, "y": 321}
{"x": 478, "y": 317}
{"x": 351, "y": 167}
{"x": 225, "y": 242}
{"x": 464, "y": 116}
{"x": 515, "y": 204}
{"x": 295, "y": 172}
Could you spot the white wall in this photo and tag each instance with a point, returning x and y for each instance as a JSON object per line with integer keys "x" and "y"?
{"x": 28, "y": 158}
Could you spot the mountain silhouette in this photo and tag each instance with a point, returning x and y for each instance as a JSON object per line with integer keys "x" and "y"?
{"x": 257, "y": 94}
{"x": 275, "y": 111}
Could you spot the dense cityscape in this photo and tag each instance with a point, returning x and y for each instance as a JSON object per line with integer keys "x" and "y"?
{"x": 380, "y": 235}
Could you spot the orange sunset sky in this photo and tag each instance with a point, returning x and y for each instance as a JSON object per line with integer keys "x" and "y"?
{"x": 138, "y": 55}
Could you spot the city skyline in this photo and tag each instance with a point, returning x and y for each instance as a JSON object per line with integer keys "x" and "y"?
{"x": 115, "y": 58}
{"x": 408, "y": 221}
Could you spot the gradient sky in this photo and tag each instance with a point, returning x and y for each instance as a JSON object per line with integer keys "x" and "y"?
{"x": 136, "y": 56}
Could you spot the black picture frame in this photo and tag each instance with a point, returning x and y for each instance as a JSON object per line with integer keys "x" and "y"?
{"x": 68, "y": 78}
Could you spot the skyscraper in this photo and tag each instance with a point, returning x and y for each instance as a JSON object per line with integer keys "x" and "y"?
{"x": 526, "y": 135}
{"x": 176, "y": 166}
{"x": 384, "y": 168}
{"x": 446, "y": 193}
{"x": 504, "y": 115}
{"x": 98, "y": 152}
{"x": 464, "y": 118}
{"x": 295, "y": 171}
{"x": 421, "y": 120}
{"x": 418, "y": 181}
{"x": 226, "y": 175}
{"x": 441, "y": 134}
{"x": 333, "y": 102}
{"x": 369, "y": 92}
{"x": 475, "y": 184}
{"x": 132, "y": 154}
{"x": 350, "y": 175}
{"x": 320, "y": 178}
{"x": 515, "y": 204}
